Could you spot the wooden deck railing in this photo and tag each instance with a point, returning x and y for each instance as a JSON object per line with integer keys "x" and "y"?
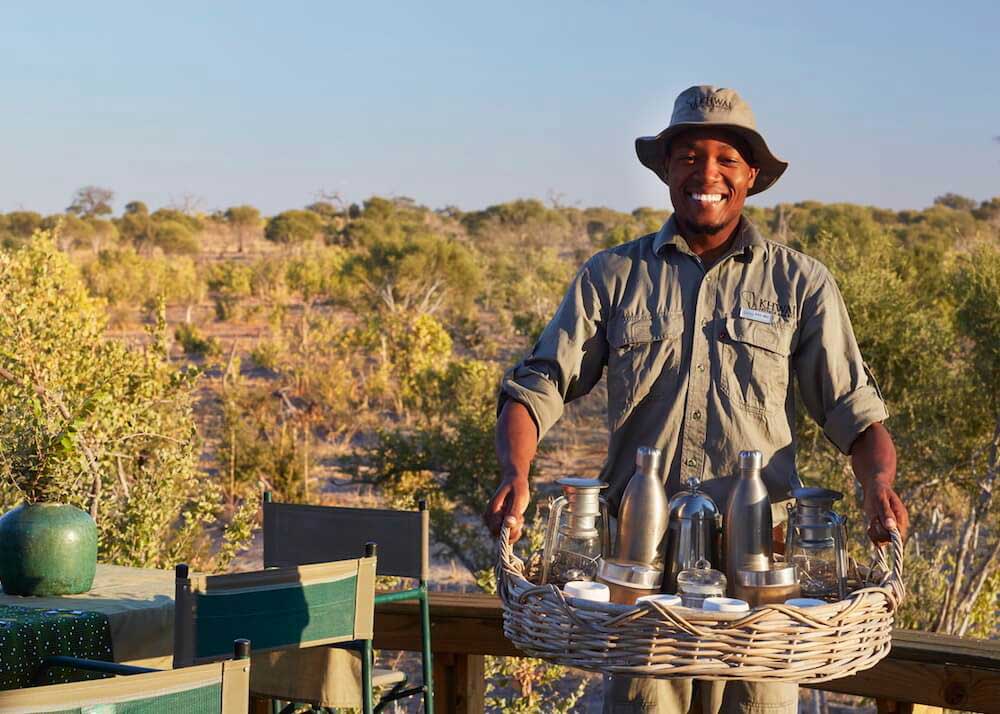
{"x": 922, "y": 668}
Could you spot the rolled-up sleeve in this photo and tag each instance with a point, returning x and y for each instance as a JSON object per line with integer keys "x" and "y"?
{"x": 568, "y": 359}
{"x": 836, "y": 386}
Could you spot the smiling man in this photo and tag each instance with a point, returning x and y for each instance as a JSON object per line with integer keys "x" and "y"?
{"x": 702, "y": 326}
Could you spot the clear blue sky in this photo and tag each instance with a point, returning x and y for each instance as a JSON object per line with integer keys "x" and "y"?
{"x": 473, "y": 103}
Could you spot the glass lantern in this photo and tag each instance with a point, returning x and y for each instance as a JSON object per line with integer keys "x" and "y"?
{"x": 576, "y": 536}
{"x": 816, "y": 543}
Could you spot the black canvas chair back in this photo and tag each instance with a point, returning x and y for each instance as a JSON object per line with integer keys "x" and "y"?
{"x": 299, "y": 534}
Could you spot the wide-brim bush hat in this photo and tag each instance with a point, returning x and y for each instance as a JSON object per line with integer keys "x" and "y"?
{"x": 706, "y": 106}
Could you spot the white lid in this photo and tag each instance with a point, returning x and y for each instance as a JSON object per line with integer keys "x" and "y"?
{"x": 804, "y": 602}
{"x": 587, "y": 590}
{"x": 662, "y": 598}
{"x": 725, "y": 604}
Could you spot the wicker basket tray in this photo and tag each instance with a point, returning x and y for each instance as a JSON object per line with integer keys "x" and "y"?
{"x": 771, "y": 643}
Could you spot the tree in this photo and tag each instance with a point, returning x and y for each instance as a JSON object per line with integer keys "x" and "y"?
{"x": 242, "y": 220}
{"x": 91, "y": 201}
{"x": 293, "y": 227}
{"x": 955, "y": 201}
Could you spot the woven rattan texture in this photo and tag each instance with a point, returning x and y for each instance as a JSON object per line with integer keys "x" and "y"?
{"x": 771, "y": 643}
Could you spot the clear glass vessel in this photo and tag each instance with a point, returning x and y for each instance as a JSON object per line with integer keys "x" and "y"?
{"x": 815, "y": 543}
{"x": 576, "y": 536}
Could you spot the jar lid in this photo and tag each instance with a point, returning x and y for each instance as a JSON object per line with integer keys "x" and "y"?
{"x": 805, "y": 602}
{"x": 777, "y": 574}
{"x": 579, "y": 482}
{"x": 725, "y": 604}
{"x": 587, "y": 590}
{"x": 701, "y": 579}
{"x": 662, "y": 598}
{"x": 630, "y": 575}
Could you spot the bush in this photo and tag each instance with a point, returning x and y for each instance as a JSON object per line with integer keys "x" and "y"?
{"x": 194, "y": 343}
{"x": 129, "y": 450}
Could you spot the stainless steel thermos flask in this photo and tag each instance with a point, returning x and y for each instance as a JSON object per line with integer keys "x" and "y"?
{"x": 747, "y": 528}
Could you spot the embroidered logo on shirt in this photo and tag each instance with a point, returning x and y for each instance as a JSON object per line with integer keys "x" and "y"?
{"x": 771, "y": 307}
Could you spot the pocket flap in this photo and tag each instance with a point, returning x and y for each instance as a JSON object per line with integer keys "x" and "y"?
{"x": 638, "y": 329}
{"x": 767, "y": 337}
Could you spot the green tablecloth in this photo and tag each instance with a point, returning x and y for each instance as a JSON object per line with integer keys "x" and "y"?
{"x": 29, "y": 635}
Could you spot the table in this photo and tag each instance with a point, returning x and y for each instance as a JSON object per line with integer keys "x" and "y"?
{"x": 139, "y": 606}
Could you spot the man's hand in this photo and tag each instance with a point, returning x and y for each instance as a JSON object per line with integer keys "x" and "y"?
{"x": 508, "y": 505}
{"x": 884, "y": 510}
{"x": 873, "y": 458}
{"x": 517, "y": 441}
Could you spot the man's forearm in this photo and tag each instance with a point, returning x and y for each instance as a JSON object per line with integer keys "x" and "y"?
{"x": 516, "y": 441}
{"x": 873, "y": 457}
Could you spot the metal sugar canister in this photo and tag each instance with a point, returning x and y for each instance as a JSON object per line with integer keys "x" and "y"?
{"x": 694, "y": 532}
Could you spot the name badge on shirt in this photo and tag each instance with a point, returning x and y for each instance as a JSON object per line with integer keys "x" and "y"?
{"x": 756, "y": 315}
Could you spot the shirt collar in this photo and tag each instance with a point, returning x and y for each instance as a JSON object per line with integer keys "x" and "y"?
{"x": 747, "y": 238}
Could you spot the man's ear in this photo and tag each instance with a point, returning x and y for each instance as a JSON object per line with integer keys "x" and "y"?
{"x": 753, "y": 176}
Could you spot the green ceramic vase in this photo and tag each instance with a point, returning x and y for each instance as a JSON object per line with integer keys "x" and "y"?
{"x": 47, "y": 549}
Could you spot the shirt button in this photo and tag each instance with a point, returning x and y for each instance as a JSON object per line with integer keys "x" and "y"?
{"x": 696, "y": 415}
{"x": 701, "y": 368}
{"x": 691, "y": 462}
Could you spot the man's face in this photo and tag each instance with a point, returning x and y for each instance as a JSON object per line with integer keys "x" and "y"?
{"x": 709, "y": 178}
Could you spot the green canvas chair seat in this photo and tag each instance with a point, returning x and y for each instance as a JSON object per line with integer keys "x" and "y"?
{"x": 216, "y": 688}
{"x": 297, "y": 534}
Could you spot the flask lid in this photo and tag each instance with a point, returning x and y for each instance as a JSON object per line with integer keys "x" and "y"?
{"x": 647, "y": 458}
{"x": 751, "y": 460}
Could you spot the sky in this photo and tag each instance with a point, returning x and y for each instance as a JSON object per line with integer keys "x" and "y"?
{"x": 468, "y": 104}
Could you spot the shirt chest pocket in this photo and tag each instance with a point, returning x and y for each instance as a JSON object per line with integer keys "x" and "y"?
{"x": 644, "y": 357}
{"x": 754, "y": 364}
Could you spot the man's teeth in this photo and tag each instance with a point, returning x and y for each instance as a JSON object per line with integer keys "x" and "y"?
{"x": 707, "y": 197}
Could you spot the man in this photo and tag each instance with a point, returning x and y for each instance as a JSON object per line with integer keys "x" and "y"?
{"x": 701, "y": 327}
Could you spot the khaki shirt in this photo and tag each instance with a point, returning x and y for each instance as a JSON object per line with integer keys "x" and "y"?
{"x": 700, "y": 361}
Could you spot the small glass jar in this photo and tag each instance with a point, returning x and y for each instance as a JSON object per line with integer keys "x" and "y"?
{"x": 697, "y": 583}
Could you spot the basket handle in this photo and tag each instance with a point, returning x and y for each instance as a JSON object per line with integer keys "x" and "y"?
{"x": 894, "y": 575}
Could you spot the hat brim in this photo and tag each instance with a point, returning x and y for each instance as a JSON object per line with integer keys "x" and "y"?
{"x": 652, "y": 152}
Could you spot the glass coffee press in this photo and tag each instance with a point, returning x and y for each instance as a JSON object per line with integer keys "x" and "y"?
{"x": 576, "y": 535}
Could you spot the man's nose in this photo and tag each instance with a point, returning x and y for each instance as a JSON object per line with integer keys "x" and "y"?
{"x": 708, "y": 170}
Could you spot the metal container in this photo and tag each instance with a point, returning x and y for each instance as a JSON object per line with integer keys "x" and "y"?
{"x": 761, "y": 587}
{"x": 748, "y": 530}
{"x": 629, "y": 581}
{"x": 642, "y": 516}
{"x": 694, "y": 532}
